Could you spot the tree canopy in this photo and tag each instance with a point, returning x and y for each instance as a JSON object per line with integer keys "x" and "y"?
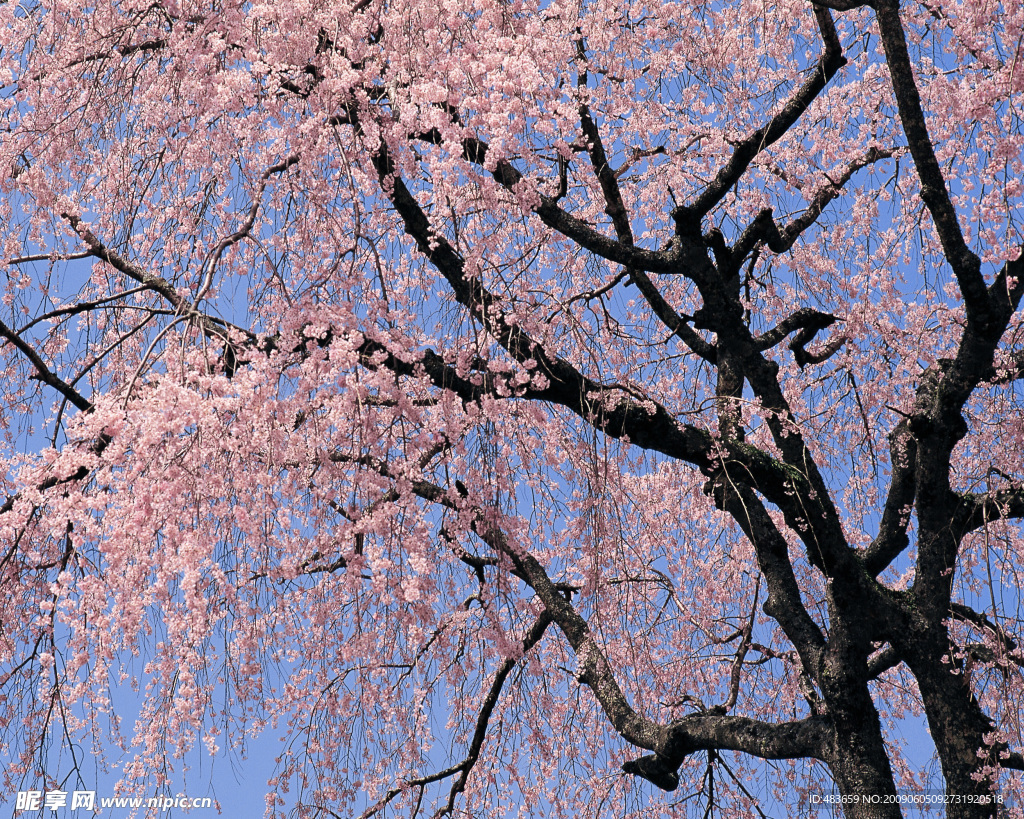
{"x": 563, "y": 408}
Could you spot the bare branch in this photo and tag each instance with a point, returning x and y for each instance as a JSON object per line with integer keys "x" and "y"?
{"x": 616, "y": 209}
{"x": 80, "y": 307}
{"x": 965, "y": 614}
{"x": 667, "y": 261}
{"x": 122, "y": 51}
{"x": 210, "y": 263}
{"x": 50, "y": 257}
{"x": 784, "y": 602}
{"x": 96, "y": 248}
{"x": 741, "y": 653}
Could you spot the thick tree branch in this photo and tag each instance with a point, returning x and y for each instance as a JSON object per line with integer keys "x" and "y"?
{"x": 465, "y": 767}
{"x": 673, "y": 743}
{"x": 43, "y": 372}
{"x": 842, "y": 5}
{"x": 965, "y": 614}
{"x": 801, "y": 739}
{"x": 616, "y": 210}
{"x": 977, "y": 510}
{"x": 650, "y": 427}
{"x": 784, "y": 601}
{"x": 792, "y": 230}
{"x": 126, "y": 50}
{"x": 779, "y": 240}
{"x": 647, "y": 425}
{"x": 965, "y": 263}
{"x": 593, "y": 667}
{"x": 155, "y": 283}
{"x": 938, "y": 425}
{"x": 886, "y": 659}
{"x": 803, "y": 319}
{"x": 674, "y": 260}
{"x": 830, "y": 61}
{"x": 614, "y": 205}
{"x": 892, "y": 536}
{"x": 810, "y": 511}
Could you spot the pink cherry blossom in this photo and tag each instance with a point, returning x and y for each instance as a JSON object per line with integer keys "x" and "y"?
{"x": 549, "y": 409}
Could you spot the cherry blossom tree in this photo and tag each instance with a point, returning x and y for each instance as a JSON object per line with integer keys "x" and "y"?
{"x": 523, "y": 408}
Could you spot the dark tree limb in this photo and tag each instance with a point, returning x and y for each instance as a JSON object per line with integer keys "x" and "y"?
{"x": 828, "y": 64}
{"x": 594, "y": 670}
{"x": 676, "y": 259}
{"x": 616, "y": 210}
{"x": 671, "y": 744}
{"x": 506, "y": 175}
{"x": 765, "y": 230}
{"x": 805, "y": 319}
{"x": 649, "y": 427}
{"x": 125, "y": 50}
{"x": 934, "y": 191}
{"x": 892, "y": 537}
{"x": 842, "y": 5}
{"x": 938, "y": 424}
{"x": 1011, "y": 370}
{"x": 784, "y": 603}
{"x": 885, "y": 660}
{"x": 43, "y": 373}
{"x": 531, "y": 639}
{"x": 157, "y": 284}
{"x": 965, "y": 614}
{"x": 977, "y": 510}
{"x": 801, "y": 739}
{"x": 463, "y": 769}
